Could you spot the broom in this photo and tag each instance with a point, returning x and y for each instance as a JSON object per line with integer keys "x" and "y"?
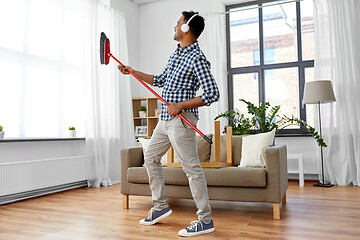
{"x": 105, "y": 55}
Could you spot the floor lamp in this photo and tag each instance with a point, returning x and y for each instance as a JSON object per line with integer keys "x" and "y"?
{"x": 317, "y": 92}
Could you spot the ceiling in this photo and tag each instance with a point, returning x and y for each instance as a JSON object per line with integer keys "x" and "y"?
{"x": 144, "y": 1}
{"x": 226, "y": 2}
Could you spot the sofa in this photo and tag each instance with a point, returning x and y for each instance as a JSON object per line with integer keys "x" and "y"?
{"x": 232, "y": 183}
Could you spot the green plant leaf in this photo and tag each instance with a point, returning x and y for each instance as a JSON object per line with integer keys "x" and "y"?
{"x": 260, "y": 122}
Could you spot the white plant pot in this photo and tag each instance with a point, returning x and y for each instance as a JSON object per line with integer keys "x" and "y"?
{"x": 72, "y": 133}
{"x": 142, "y": 114}
{"x": 2, "y": 134}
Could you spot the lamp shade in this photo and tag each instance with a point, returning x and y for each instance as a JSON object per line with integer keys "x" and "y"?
{"x": 318, "y": 91}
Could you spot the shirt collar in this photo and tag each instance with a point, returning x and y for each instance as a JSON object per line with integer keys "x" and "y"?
{"x": 187, "y": 48}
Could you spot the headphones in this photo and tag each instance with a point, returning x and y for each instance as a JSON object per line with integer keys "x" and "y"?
{"x": 185, "y": 27}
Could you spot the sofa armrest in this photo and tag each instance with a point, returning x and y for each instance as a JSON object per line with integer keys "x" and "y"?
{"x": 130, "y": 157}
{"x": 276, "y": 168}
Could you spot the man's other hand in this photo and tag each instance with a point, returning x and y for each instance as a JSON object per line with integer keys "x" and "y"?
{"x": 123, "y": 69}
{"x": 173, "y": 109}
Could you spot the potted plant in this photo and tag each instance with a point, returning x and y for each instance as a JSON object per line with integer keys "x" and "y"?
{"x": 261, "y": 122}
{"x": 142, "y": 111}
{"x": 72, "y": 132}
{"x": 2, "y": 133}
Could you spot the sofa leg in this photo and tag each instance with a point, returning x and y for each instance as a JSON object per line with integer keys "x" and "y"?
{"x": 276, "y": 211}
{"x": 125, "y": 201}
{"x": 284, "y": 198}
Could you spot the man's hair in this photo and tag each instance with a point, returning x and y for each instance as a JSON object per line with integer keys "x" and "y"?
{"x": 196, "y": 24}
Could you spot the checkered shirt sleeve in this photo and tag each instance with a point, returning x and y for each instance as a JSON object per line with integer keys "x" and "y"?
{"x": 210, "y": 89}
{"x": 159, "y": 80}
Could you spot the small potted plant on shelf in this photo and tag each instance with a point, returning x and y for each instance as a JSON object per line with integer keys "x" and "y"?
{"x": 72, "y": 132}
{"x": 142, "y": 111}
{"x": 2, "y": 133}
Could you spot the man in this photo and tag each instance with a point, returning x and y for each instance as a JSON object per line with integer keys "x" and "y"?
{"x": 186, "y": 71}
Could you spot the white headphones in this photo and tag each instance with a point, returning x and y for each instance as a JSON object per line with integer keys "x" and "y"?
{"x": 185, "y": 27}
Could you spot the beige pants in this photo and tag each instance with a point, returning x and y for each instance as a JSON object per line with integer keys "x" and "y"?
{"x": 181, "y": 137}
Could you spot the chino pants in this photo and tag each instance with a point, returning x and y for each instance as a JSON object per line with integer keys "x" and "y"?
{"x": 181, "y": 137}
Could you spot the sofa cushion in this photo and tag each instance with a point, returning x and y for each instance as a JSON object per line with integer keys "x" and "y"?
{"x": 236, "y": 146}
{"x": 203, "y": 148}
{"x": 223, "y": 153}
{"x": 228, "y": 176}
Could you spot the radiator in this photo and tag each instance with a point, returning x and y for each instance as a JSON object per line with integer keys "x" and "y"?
{"x": 310, "y": 163}
{"x": 24, "y": 177}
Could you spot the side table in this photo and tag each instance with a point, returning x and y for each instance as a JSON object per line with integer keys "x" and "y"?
{"x": 299, "y": 158}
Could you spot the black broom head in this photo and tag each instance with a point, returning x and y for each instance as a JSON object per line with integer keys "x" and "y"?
{"x": 104, "y": 49}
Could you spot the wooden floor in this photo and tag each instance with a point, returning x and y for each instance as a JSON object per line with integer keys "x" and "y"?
{"x": 310, "y": 213}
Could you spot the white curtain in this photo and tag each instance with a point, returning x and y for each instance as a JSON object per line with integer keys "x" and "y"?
{"x": 213, "y": 43}
{"x": 337, "y": 57}
{"x": 109, "y": 125}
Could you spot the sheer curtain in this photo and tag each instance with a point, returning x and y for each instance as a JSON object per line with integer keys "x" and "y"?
{"x": 213, "y": 43}
{"x": 109, "y": 125}
{"x": 337, "y": 57}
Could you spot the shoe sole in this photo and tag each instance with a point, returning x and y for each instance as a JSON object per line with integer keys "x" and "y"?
{"x": 142, "y": 222}
{"x": 186, "y": 234}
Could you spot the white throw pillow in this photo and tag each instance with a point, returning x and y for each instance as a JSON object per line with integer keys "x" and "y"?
{"x": 253, "y": 149}
{"x": 145, "y": 143}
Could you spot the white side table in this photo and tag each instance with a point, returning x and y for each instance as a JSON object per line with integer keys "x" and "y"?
{"x": 299, "y": 158}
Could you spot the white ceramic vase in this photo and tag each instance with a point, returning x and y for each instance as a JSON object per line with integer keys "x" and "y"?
{"x": 142, "y": 114}
{"x": 72, "y": 133}
{"x": 2, "y": 134}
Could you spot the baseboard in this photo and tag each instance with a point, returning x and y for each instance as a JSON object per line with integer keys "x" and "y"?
{"x": 306, "y": 176}
{"x": 40, "y": 192}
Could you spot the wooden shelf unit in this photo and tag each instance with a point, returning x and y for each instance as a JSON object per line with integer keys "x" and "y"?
{"x": 151, "y": 103}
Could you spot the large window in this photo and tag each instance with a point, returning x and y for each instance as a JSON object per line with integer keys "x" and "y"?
{"x": 41, "y": 67}
{"x": 271, "y": 55}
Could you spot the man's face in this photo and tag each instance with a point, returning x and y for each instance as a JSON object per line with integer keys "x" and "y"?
{"x": 178, "y": 33}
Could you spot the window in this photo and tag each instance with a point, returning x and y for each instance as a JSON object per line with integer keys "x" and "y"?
{"x": 271, "y": 55}
{"x": 41, "y": 67}
{"x": 268, "y": 56}
{"x": 268, "y": 59}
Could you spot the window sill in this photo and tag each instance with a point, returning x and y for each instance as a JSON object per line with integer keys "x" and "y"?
{"x": 293, "y": 135}
{"x": 7, "y": 140}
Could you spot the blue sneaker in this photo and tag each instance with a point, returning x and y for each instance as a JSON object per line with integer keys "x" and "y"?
{"x": 196, "y": 228}
{"x": 155, "y": 215}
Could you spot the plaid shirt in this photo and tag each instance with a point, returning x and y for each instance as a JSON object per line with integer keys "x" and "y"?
{"x": 186, "y": 70}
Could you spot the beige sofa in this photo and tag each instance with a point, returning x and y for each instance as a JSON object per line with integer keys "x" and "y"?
{"x": 227, "y": 183}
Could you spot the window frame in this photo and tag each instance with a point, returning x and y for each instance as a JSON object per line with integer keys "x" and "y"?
{"x": 260, "y": 69}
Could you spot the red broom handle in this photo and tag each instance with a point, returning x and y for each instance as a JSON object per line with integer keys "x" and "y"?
{"x": 162, "y": 100}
